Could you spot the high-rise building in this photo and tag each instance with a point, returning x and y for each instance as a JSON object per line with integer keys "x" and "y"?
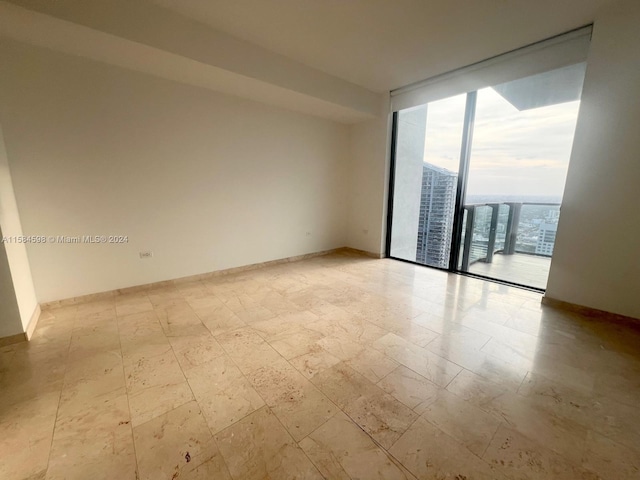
{"x": 437, "y": 209}
{"x": 546, "y": 238}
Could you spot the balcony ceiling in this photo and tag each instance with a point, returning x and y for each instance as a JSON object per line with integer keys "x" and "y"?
{"x": 385, "y": 44}
{"x": 548, "y": 88}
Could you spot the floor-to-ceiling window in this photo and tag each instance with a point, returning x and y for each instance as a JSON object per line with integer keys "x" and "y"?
{"x": 478, "y": 174}
{"x": 426, "y": 177}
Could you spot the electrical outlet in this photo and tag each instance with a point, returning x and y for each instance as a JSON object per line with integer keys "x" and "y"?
{"x": 147, "y": 254}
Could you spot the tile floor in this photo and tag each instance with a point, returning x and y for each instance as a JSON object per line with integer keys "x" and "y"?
{"x": 336, "y": 367}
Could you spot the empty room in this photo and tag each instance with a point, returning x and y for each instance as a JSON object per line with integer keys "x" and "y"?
{"x": 307, "y": 239}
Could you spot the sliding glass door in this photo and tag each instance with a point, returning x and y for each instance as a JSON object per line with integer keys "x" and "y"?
{"x": 477, "y": 178}
{"x": 518, "y": 164}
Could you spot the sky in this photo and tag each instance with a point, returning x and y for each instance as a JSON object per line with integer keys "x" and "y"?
{"x": 513, "y": 152}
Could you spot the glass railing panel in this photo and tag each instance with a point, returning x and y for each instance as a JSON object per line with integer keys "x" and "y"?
{"x": 481, "y": 232}
{"x": 501, "y": 227}
{"x": 465, "y": 216}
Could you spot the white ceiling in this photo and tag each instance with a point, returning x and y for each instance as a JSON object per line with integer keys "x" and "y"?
{"x": 321, "y": 57}
{"x": 385, "y": 44}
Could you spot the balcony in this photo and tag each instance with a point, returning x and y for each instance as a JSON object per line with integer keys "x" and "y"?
{"x": 509, "y": 241}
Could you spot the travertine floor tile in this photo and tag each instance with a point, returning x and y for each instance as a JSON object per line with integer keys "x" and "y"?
{"x": 294, "y": 343}
{"x": 246, "y": 308}
{"x": 224, "y": 394}
{"x": 559, "y": 434}
{"x": 149, "y": 372}
{"x": 575, "y": 377}
{"x": 379, "y": 369}
{"x": 94, "y": 443}
{"x": 314, "y": 362}
{"x": 477, "y": 390}
{"x": 610, "y": 459}
{"x": 194, "y": 350}
{"x": 88, "y": 345}
{"x": 604, "y": 415}
{"x": 283, "y": 324}
{"x": 141, "y": 337}
{"x": 456, "y": 335}
{"x": 217, "y": 324}
{"x": 155, "y": 385}
{"x": 215, "y": 315}
{"x": 620, "y": 386}
{"x": 383, "y": 417}
{"x": 259, "y": 447}
{"x": 297, "y": 403}
{"x": 132, "y": 303}
{"x": 194, "y": 289}
{"x": 6, "y": 354}
{"x": 415, "y": 333}
{"x": 434, "y": 368}
{"x": 26, "y": 431}
{"x": 513, "y": 351}
{"x": 341, "y": 346}
{"x": 94, "y": 325}
{"x": 153, "y": 401}
{"x": 409, "y": 387}
{"x": 247, "y": 349}
{"x": 33, "y": 374}
{"x": 173, "y": 444}
{"x": 359, "y": 329}
{"x": 139, "y": 325}
{"x": 372, "y": 364}
{"x": 341, "y": 450}
{"x": 105, "y": 306}
{"x": 429, "y": 453}
{"x": 180, "y": 320}
{"x": 84, "y": 388}
{"x": 461, "y": 420}
{"x": 142, "y": 347}
{"x": 212, "y": 469}
{"x": 489, "y": 367}
{"x": 522, "y": 459}
{"x": 164, "y": 296}
{"x": 343, "y": 385}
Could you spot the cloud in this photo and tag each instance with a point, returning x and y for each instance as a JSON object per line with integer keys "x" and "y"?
{"x": 513, "y": 152}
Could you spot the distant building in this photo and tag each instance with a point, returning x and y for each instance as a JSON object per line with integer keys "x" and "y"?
{"x": 437, "y": 208}
{"x": 546, "y": 238}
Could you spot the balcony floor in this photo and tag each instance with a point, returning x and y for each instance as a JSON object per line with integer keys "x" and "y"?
{"x": 529, "y": 270}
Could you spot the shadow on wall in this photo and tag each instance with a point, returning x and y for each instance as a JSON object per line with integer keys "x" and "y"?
{"x": 10, "y": 323}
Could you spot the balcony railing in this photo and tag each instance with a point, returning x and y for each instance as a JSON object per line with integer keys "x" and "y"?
{"x": 507, "y": 228}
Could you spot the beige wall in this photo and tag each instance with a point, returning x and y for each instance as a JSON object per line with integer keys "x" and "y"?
{"x": 369, "y": 171}
{"x": 596, "y": 260}
{"x": 205, "y": 181}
